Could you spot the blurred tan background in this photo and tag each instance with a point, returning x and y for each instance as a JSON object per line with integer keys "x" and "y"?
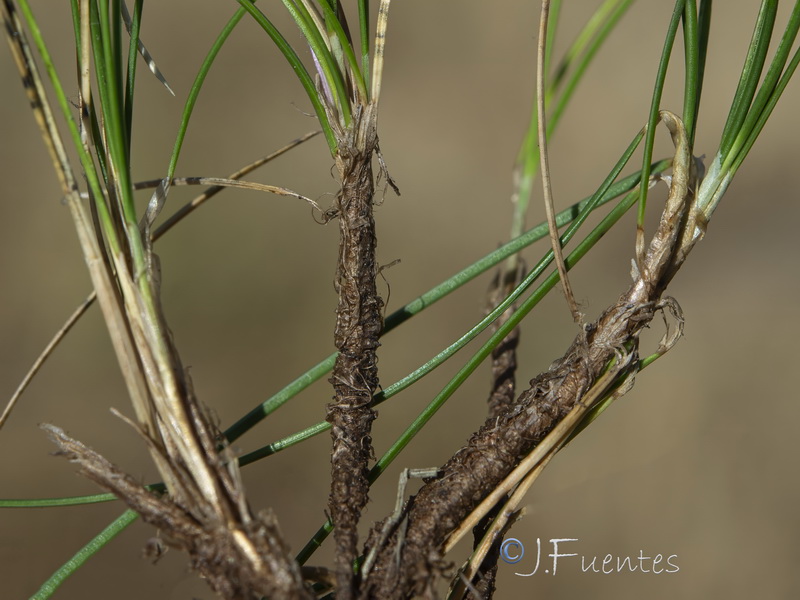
{"x": 699, "y": 461}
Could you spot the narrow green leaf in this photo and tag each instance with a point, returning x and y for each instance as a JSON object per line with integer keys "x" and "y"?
{"x": 202, "y": 73}
{"x": 766, "y": 112}
{"x": 73, "y": 564}
{"x": 197, "y": 85}
{"x": 130, "y": 80}
{"x": 691, "y": 82}
{"x": 751, "y": 73}
{"x": 765, "y": 92}
{"x": 655, "y": 105}
{"x": 53, "y": 502}
{"x": 299, "y": 69}
{"x": 106, "y": 28}
{"x": 703, "y": 35}
{"x": 363, "y": 27}
{"x": 319, "y": 48}
{"x": 341, "y": 35}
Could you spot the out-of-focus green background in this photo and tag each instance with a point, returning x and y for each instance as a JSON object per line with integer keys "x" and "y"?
{"x": 699, "y": 461}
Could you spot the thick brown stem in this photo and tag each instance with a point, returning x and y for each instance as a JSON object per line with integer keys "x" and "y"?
{"x": 504, "y": 356}
{"x": 355, "y": 373}
{"x": 495, "y": 449}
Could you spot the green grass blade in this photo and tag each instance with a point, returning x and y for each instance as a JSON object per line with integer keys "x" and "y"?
{"x": 768, "y": 86}
{"x": 53, "y": 502}
{"x": 766, "y": 112}
{"x": 691, "y": 54}
{"x": 583, "y": 52}
{"x": 197, "y": 85}
{"x": 200, "y": 78}
{"x": 49, "y": 587}
{"x": 277, "y": 400}
{"x": 130, "y": 80}
{"x": 298, "y": 67}
{"x": 68, "y": 500}
{"x": 341, "y": 35}
{"x": 751, "y": 73}
{"x": 703, "y": 35}
{"x": 76, "y": 28}
{"x": 655, "y": 105}
{"x": 108, "y": 61}
{"x": 725, "y": 164}
{"x": 319, "y": 47}
{"x": 315, "y": 542}
{"x": 363, "y": 28}
{"x": 106, "y": 27}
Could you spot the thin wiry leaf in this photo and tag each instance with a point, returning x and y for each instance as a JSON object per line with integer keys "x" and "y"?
{"x": 148, "y": 58}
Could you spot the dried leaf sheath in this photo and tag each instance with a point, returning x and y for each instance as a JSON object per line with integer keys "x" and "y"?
{"x": 358, "y": 325}
{"x": 242, "y": 559}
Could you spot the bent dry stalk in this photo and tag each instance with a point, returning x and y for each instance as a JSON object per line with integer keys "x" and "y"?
{"x": 358, "y": 326}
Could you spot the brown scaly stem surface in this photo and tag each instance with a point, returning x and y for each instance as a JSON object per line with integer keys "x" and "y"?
{"x": 358, "y": 325}
{"x": 409, "y": 568}
{"x": 504, "y": 356}
{"x": 501, "y": 396}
